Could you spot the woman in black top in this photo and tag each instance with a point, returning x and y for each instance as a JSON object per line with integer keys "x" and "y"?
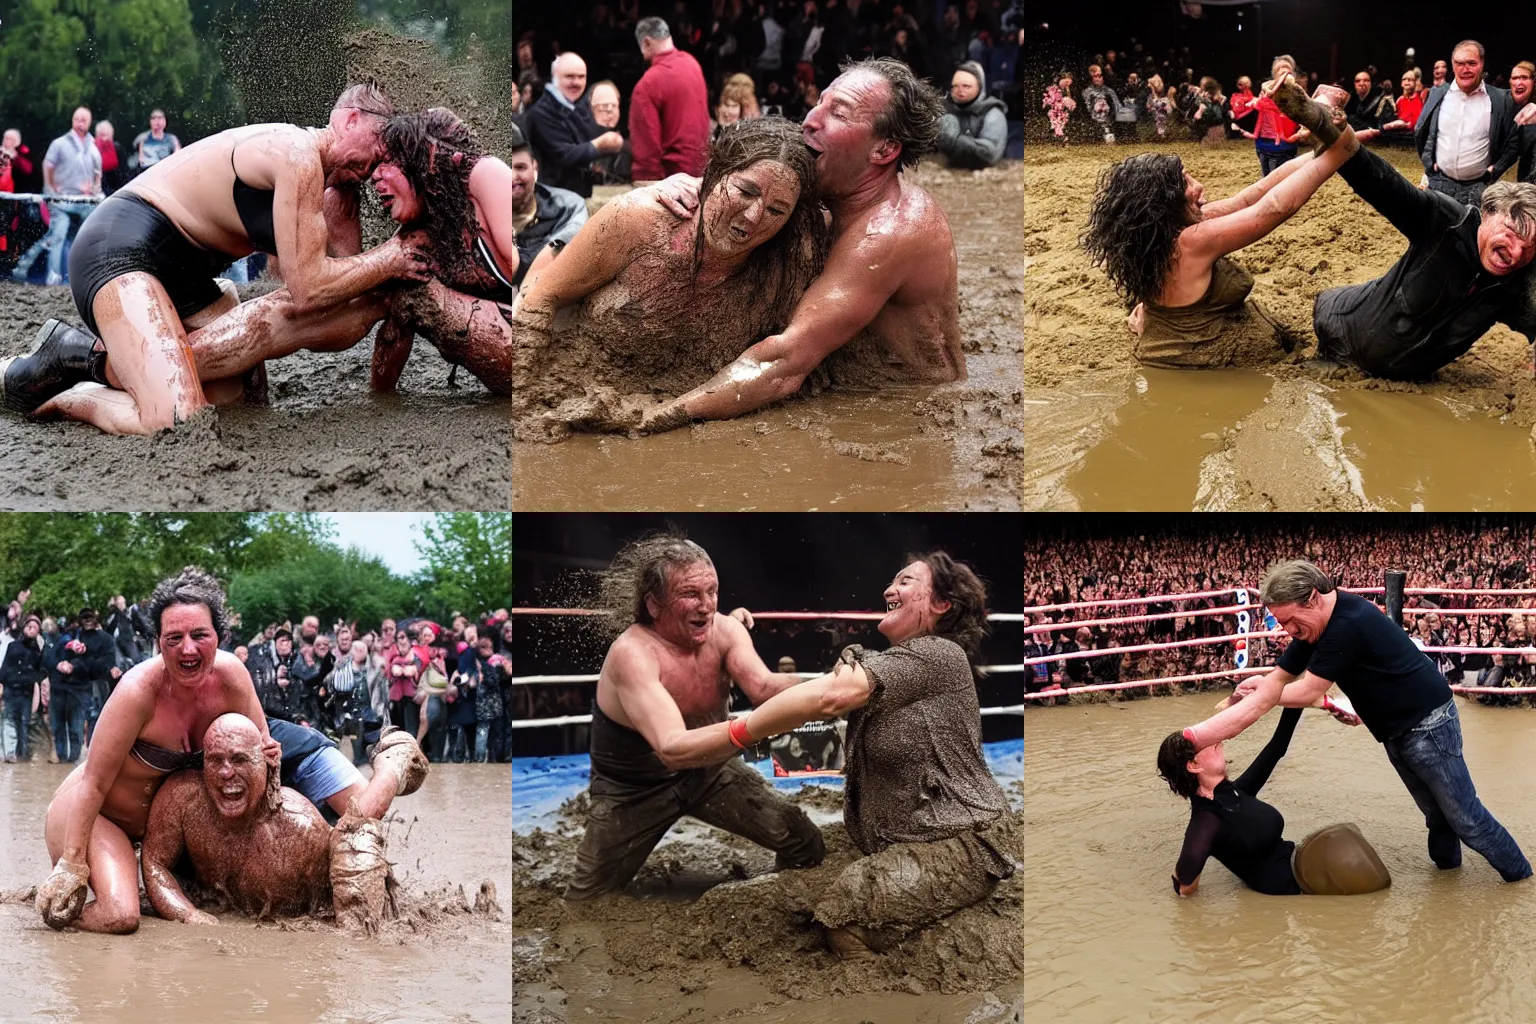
{"x": 1228, "y": 821}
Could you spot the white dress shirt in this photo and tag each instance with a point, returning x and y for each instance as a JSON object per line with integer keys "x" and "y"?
{"x": 1462, "y": 144}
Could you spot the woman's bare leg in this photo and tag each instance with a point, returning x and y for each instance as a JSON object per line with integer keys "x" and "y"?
{"x": 114, "y": 868}
{"x": 472, "y": 332}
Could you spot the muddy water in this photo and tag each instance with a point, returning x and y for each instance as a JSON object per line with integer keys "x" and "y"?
{"x": 953, "y": 447}
{"x": 438, "y": 966}
{"x": 1165, "y": 440}
{"x": 1289, "y": 432}
{"x": 1106, "y": 939}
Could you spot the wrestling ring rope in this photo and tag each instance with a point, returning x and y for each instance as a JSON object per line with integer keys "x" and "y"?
{"x": 1393, "y": 590}
{"x": 535, "y": 680}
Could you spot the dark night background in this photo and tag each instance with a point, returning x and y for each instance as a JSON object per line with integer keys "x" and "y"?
{"x": 767, "y": 562}
{"x": 1332, "y": 37}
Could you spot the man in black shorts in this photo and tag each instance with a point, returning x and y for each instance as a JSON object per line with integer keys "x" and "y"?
{"x": 1397, "y": 692}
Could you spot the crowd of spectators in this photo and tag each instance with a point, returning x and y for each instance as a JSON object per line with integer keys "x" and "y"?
{"x": 447, "y": 685}
{"x": 1072, "y": 564}
{"x": 618, "y": 99}
{"x": 83, "y": 162}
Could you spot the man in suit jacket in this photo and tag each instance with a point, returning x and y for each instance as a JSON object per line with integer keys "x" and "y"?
{"x": 1466, "y": 135}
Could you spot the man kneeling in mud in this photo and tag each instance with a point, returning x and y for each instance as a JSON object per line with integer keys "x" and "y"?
{"x": 264, "y": 847}
{"x": 661, "y": 701}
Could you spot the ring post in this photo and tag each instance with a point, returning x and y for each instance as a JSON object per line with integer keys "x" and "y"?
{"x": 1396, "y": 579}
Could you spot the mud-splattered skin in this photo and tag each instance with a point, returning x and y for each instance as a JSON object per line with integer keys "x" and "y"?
{"x": 685, "y": 658}
{"x": 654, "y": 325}
{"x": 265, "y": 863}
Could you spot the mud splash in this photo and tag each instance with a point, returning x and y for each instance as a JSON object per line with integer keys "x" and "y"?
{"x": 691, "y": 947}
{"x": 443, "y": 961}
{"x": 957, "y": 446}
{"x": 1292, "y": 433}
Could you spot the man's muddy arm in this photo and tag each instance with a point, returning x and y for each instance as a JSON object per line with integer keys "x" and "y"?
{"x": 839, "y": 304}
{"x": 314, "y": 280}
{"x": 656, "y": 717}
{"x": 746, "y": 667}
{"x": 164, "y": 842}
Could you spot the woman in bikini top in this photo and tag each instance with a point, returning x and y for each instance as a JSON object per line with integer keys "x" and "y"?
{"x": 152, "y": 725}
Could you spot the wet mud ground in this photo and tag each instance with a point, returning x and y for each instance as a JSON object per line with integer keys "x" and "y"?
{"x": 1107, "y": 940}
{"x": 442, "y": 962}
{"x": 708, "y": 932}
{"x": 957, "y": 446}
{"x": 326, "y": 442}
{"x": 1283, "y": 432}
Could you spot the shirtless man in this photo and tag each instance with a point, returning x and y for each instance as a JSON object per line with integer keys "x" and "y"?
{"x": 265, "y": 847}
{"x": 891, "y": 276}
{"x": 143, "y": 271}
{"x": 659, "y": 724}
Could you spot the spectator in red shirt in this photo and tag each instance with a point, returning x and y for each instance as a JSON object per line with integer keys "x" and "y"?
{"x": 1244, "y": 103}
{"x": 15, "y": 170}
{"x": 1399, "y": 130}
{"x": 669, "y": 111}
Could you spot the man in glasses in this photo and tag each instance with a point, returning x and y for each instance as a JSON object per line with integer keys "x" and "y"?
{"x": 145, "y": 272}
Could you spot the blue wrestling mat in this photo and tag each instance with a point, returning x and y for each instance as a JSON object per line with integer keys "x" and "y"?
{"x": 541, "y": 784}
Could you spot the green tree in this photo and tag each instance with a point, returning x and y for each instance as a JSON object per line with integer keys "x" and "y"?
{"x": 468, "y": 558}
{"x": 328, "y": 583}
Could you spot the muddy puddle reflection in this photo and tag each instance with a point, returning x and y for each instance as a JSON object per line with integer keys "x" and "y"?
{"x": 1107, "y": 940}
{"x": 1240, "y": 440}
{"x": 455, "y": 969}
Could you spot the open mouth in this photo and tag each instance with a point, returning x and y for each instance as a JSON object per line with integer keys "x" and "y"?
{"x": 740, "y": 234}
{"x": 189, "y": 664}
{"x": 891, "y": 606}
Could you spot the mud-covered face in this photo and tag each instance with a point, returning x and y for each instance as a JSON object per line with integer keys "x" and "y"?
{"x": 748, "y": 207}
{"x": 358, "y": 145}
{"x": 396, "y": 194}
{"x": 188, "y": 643}
{"x": 687, "y": 615}
{"x": 1501, "y": 248}
{"x": 910, "y": 607}
{"x": 234, "y": 770}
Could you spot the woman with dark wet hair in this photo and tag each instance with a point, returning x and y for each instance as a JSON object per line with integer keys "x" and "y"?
{"x": 1165, "y": 247}
{"x": 151, "y": 725}
{"x": 445, "y": 191}
{"x": 656, "y": 298}
{"x": 1228, "y": 821}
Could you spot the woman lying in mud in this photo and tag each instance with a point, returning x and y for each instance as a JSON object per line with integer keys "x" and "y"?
{"x": 151, "y": 726}
{"x": 1165, "y": 247}
{"x": 654, "y": 299}
{"x": 919, "y": 800}
{"x": 1228, "y": 821}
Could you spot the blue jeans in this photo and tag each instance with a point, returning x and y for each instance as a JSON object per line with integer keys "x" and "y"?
{"x": 66, "y": 713}
{"x": 1428, "y": 758}
{"x": 1269, "y": 161}
{"x": 482, "y": 739}
{"x": 17, "y": 709}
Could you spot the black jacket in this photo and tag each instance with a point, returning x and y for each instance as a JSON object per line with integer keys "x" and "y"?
{"x": 285, "y": 702}
{"x": 561, "y": 140}
{"x": 1435, "y": 301}
{"x": 1372, "y": 112}
{"x": 1503, "y": 140}
{"x": 1526, "y": 147}
{"x": 23, "y": 667}
{"x": 99, "y": 659}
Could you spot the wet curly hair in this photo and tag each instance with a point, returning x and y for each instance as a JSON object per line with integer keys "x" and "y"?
{"x": 782, "y": 267}
{"x": 638, "y": 571}
{"x": 1139, "y": 208}
{"x": 965, "y": 623}
{"x": 190, "y": 586}
{"x": 436, "y": 151}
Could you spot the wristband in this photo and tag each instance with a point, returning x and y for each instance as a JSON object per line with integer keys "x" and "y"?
{"x": 738, "y": 733}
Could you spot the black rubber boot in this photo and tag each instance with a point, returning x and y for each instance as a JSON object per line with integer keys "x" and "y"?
{"x": 61, "y": 357}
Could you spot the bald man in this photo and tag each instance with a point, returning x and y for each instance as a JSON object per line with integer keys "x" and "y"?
{"x": 564, "y": 136}
{"x": 264, "y": 847}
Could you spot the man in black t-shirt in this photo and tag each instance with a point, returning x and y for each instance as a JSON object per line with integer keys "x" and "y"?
{"x": 1397, "y": 692}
